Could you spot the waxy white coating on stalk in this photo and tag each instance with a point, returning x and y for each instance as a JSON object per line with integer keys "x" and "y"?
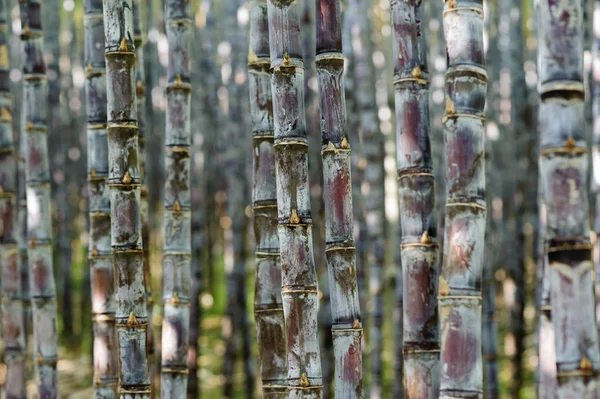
{"x": 177, "y": 219}
{"x": 419, "y": 246}
{"x": 268, "y": 307}
{"x": 37, "y": 177}
{"x": 299, "y": 281}
{"x": 106, "y": 365}
{"x": 337, "y": 198}
{"x": 461, "y": 273}
{"x": 563, "y": 178}
{"x": 124, "y": 183}
{"x": 13, "y": 307}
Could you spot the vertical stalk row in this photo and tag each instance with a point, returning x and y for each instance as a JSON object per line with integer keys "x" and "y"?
{"x": 268, "y": 308}
{"x": 337, "y": 198}
{"x": 177, "y": 224}
{"x": 563, "y": 175}
{"x": 461, "y": 274}
{"x": 124, "y": 183}
{"x": 13, "y": 307}
{"x": 101, "y": 271}
{"x": 416, "y": 187}
{"x": 299, "y": 280}
{"x": 37, "y": 178}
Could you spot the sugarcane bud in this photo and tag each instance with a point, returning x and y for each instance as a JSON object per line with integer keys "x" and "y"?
{"x": 330, "y": 146}
{"x": 175, "y": 299}
{"x": 450, "y": 107}
{"x": 356, "y": 324}
{"x": 286, "y": 59}
{"x": 425, "y": 238}
{"x": 92, "y": 173}
{"x": 32, "y": 242}
{"x": 304, "y": 381}
{"x": 585, "y": 364}
{"x": 294, "y": 219}
{"x": 89, "y": 67}
{"x": 444, "y": 287}
{"x": 96, "y": 379}
{"x": 127, "y": 178}
{"x": 94, "y": 251}
{"x": 26, "y": 30}
{"x": 5, "y": 115}
{"x": 5, "y": 299}
{"x": 39, "y": 359}
{"x": 344, "y": 144}
{"x": 451, "y": 4}
{"x": 570, "y": 143}
{"x": 132, "y": 321}
{"x": 123, "y": 45}
{"x": 139, "y": 87}
{"x": 178, "y": 80}
{"x": 1, "y": 191}
{"x": 252, "y": 58}
{"x": 29, "y": 125}
{"x": 416, "y": 72}
{"x": 176, "y": 207}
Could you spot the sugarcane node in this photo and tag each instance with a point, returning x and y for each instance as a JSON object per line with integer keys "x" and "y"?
{"x": 304, "y": 380}
{"x": 294, "y": 219}
{"x": 123, "y": 45}
{"x": 425, "y": 238}
{"x": 585, "y": 364}
{"x": 176, "y": 207}
{"x": 444, "y": 289}
{"x": 570, "y": 143}
{"x": 127, "y": 178}
{"x": 132, "y": 320}
{"x": 286, "y": 59}
{"x": 416, "y": 72}
{"x": 344, "y": 144}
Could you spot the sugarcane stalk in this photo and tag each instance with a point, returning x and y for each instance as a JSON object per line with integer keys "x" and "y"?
{"x": 416, "y": 188}
{"x": 299, "y": 281}
{"x": 37, "y": 178}
{"x": 101, "y": 271}
{"x": 13, "y": 312}
{"x": 268, "y": 308}
{"x": 337, "y": 198}
{"x": 563, "y": 176}
{"x": 177, "y": 234}
{"x": 595, "y": 185}
{"x": 124, "y": 184}
{"x": 140, "y": 90}
{"x": 461, "y": 274}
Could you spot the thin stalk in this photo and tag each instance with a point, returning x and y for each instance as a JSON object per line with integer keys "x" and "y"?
{"x": 13, "y": 313}
{"x": 37, "y": 179}
{"x": 177, "y": 234}
{"x": 373, "y": 186}
{"x": 268, "y": 307}
{"x": 140, "y": 91}
{"x": 461, "y": 274}
{"x": 101, "y": 271}
{"x": 416, "y": 188}
{"x": 337, "y": 198}
{"x": 124, "y": 183}
{"x": 299, "y": 280}
{"x": 564, "y": 179}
